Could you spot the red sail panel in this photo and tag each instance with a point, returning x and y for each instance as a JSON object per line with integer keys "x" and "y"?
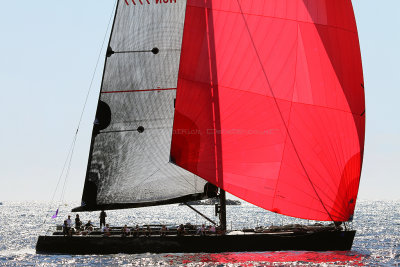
{"x": 270, "y": 103}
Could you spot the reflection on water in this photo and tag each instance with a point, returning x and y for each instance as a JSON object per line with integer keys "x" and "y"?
{"x": 268, "y": 258}
{"x": 376, "y": 243}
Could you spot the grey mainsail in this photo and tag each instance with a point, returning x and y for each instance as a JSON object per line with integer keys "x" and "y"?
{"x": 129, "y": 156}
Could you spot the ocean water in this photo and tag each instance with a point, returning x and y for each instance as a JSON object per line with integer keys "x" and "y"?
{"x": 376, "y": 243}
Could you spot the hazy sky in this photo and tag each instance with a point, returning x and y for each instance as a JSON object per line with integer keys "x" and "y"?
{"x": 48, "y": 54}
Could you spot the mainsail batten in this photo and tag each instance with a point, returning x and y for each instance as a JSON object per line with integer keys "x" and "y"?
{"x": 286, "y": 77}
{"x": 129, "y": 157}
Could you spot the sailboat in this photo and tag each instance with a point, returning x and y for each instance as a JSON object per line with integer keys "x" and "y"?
{"x": 263, "y": 99}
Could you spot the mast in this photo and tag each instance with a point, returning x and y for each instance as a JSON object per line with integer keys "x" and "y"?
{"x": 222, "y": 209}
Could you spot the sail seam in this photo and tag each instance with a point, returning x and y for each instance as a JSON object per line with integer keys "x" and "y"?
{"x": 280, "y": 112}
{"x": 290, "y": 113}
{"x": 293, "y": 20}
{"x": 277, "y": 98}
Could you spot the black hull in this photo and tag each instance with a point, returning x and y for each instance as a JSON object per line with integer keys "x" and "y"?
{"x": 319, "y": 241}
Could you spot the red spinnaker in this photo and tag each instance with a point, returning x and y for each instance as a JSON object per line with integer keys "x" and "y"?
{"x": 270, "y": 103}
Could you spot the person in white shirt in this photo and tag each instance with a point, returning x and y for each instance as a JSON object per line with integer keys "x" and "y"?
{"x": 69, "y": 222}
{"x": 67, "y": 230}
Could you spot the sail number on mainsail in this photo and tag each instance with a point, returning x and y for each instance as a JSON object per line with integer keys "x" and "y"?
{"x": 142, "y": 2}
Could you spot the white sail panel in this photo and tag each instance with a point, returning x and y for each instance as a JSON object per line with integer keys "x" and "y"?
{"x": 129, "y": 157}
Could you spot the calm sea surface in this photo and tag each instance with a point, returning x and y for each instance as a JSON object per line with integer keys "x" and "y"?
{"x": 376, "y": 243}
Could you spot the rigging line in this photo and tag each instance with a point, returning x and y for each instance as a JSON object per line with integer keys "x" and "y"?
{"x": 58, "y": 183}
{"x": 72, "y": 147}
{"x": 67, "y": 172}
{"x": 69, "y": 160}
{"x": 280, "y": 112}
